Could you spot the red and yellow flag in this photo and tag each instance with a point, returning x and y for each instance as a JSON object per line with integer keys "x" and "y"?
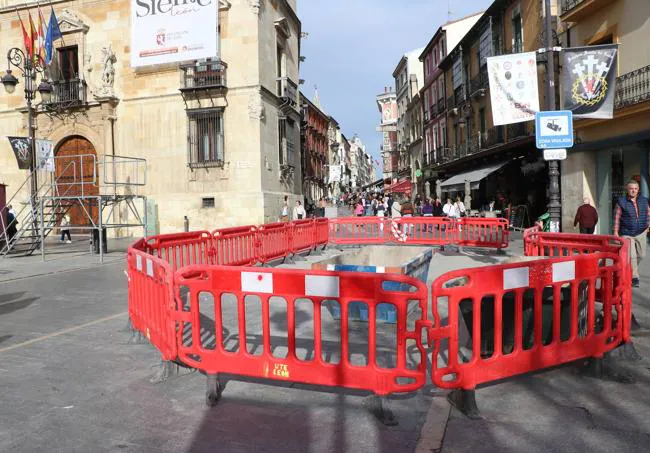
{"x": 26, "y": 37}
{"x": 33, "y": 37}
{"x": 42, "y": 31}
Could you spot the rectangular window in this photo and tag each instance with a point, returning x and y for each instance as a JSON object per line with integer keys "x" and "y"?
{"x": 457, "y": 73}
{"x": 286, "y": 146}
{"x": 481, "y": 115}
{"x": 485, "y": 46}
{"x": 517, "y": 40}
{"x": 68, "y": 63}
{"x": 205, "y": 138}
{"x": 207, "y": 202}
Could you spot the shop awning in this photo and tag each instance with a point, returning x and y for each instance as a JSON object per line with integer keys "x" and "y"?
{"x": 400, "y": 187}
{"x": 474, "y": 177}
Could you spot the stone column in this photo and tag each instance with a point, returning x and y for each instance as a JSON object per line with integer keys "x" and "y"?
{"x": 468, "y": 195}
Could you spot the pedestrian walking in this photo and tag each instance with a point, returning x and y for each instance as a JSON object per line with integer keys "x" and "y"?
{"x": 396, "y": 209}
{"x": 284, "y": 213}
{"x": 12, "y": 223}
{"x": 299, "y": 211}
{"x": 631, "y": 220}
{"x": 65, "y": 229}
{"x": 450, "y": 209}
{"x": 437, "y": 208}
{"x": 586, "y": 217}
{"x": 460, "y": 207}
{"x": 358, "y": 211}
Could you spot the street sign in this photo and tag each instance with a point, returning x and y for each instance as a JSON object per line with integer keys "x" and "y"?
{"x": 554, "y": 130}
{"x": 555, "y": 154}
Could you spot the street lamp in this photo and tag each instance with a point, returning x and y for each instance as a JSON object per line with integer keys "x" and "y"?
{"x": 29, "y": 67}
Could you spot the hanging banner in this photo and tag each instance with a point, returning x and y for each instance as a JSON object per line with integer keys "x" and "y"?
{"x": 45, "y": 155}
{"x": 22, "y": 149}
{"x": 513, "y": 88}
{"x": 335, "y": 173}
{"x": 173, "y": 31}
{"x": 589, "y": 80}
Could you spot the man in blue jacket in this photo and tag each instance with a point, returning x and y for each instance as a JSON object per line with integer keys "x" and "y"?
{"x": 631, "y": 220}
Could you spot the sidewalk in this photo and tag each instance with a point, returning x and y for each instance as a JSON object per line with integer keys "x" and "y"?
{"x": 61, "y": 257}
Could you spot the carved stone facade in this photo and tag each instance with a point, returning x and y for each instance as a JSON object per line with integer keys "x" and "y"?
{"x": 147, "y": 112}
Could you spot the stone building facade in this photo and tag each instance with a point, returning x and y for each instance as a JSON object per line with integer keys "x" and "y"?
{"x": 608, "y": 153}
{"x": 220, "y": 137}
{"x": 314, "y": 150}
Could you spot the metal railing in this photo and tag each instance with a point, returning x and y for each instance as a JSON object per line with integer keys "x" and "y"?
{"x": 568, "y": 5}
{"x": 204, "y": 74}
{"x": 451, "y": 102}
{"x": 441, "y": 105}
{"x": 479, "y": 82}
{"x": 633, "y": 88}
{"x": 123, "y": 174}
{"x": 68, "y": 92}
{"x": 492, "y": 137}
{"x": 288, "y": 89}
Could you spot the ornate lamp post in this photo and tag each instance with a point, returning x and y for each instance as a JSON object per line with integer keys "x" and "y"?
{"x": 29, "y": 68}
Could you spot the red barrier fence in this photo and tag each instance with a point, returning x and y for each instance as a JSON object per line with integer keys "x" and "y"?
{"x": 209, "y": 349}
{"x": 572, "y": 301}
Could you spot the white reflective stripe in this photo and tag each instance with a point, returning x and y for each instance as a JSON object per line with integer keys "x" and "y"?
{"x": 322, "y": 286}
{"x": 138, "y": 262}
{"x": 564, "y": 271}
{"x": 257, "y": 282}
{"x": 331, "y": 267}
{"x": 150, "y": 268}
{"x": 516, "y": 278}
{"x": 380, "y": 269}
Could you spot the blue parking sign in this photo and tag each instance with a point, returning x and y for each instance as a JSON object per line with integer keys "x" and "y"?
{"x": 554, "y": 129}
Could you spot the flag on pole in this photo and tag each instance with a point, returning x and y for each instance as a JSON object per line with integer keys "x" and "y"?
{"x": 33, "y": 37}
{"x": 53, "y": 33}
{"x": 42, "y": 32}
{"x": 26, "y": 38}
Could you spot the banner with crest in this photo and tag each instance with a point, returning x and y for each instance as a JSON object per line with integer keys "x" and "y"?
{"x": 589, "y": 80}
{"x": 22, "y": 147}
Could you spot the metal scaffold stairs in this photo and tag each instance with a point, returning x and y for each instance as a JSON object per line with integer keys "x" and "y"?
{"x": 27, "y": 238}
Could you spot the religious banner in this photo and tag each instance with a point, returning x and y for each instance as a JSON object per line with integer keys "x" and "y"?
{"x": 335, "y": 173}
{"x": 22, "y": 149}
{"x": 45, "y": 155}
{"x": 173, "y": 31}
{"x": 589, "y": 80}
{"x": 513, "y": 88}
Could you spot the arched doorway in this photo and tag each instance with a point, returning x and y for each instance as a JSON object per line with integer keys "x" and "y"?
{"x": 77, "y": 176}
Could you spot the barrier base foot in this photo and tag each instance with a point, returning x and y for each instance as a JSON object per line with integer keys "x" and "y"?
{"x": 600, "y": 369}
{"x": 289, "y": 260}
{"x": 128, "y": 327}
{"x": 625, "y": 352}
{"x": 377, "y": 406}
{"x": 635, "y": 324}
{"x": 137, "y": 338}
{"x": 465, "y": 401}
{"x": 169, "y": 370}
{"x": 213, "y": 390}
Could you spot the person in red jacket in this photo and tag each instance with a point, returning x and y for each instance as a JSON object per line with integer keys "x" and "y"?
{"x": 586, "y": 217}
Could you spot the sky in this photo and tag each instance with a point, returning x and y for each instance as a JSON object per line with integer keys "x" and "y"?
{"x": 353, "y": 47}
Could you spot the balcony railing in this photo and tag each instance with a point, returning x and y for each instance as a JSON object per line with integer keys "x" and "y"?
{"x": 451, "y": 102}
{"x": 633, "y": 88}
{"x": 441, "y": 105}
{"x": 205, "y": 74}
{"x": 568, "y": 5}
{"x": 71, "y": 92}
{"x": 492, "y": 137}
{"x": 288, "y": 89}
{"x": 519, "y": 130}
{"x": 479, "y": 82}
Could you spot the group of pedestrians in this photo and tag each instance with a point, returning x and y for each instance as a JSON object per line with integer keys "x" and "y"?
{"x": 395, "y": 206}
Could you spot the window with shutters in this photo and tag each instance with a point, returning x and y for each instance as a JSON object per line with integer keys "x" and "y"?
{"x": 205, "y": 138}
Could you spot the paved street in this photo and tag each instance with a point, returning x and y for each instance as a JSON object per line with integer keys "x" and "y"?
{"x": 71, "y": 383}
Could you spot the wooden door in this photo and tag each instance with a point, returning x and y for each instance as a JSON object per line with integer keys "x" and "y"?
{"x": 77, "y": 176}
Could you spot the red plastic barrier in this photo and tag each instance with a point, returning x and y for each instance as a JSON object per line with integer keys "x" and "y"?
{"x": 483, "y": 232}
{"x": 303, "y": 236}
{"x": 559, "y": 289}
{"x": 273, "y": 241}
{"x": 236, "y": 246}
{"x": 151, "y": 299}
{"x": 423, "y": 230}
{"x": 359, "y": 230}
{"x": 183, "y": 249}
{"x": 322, "y": 232}
{"x": 209, "y": 349}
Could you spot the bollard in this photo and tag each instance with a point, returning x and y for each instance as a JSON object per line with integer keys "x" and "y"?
{"x": 186, "y": 224}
